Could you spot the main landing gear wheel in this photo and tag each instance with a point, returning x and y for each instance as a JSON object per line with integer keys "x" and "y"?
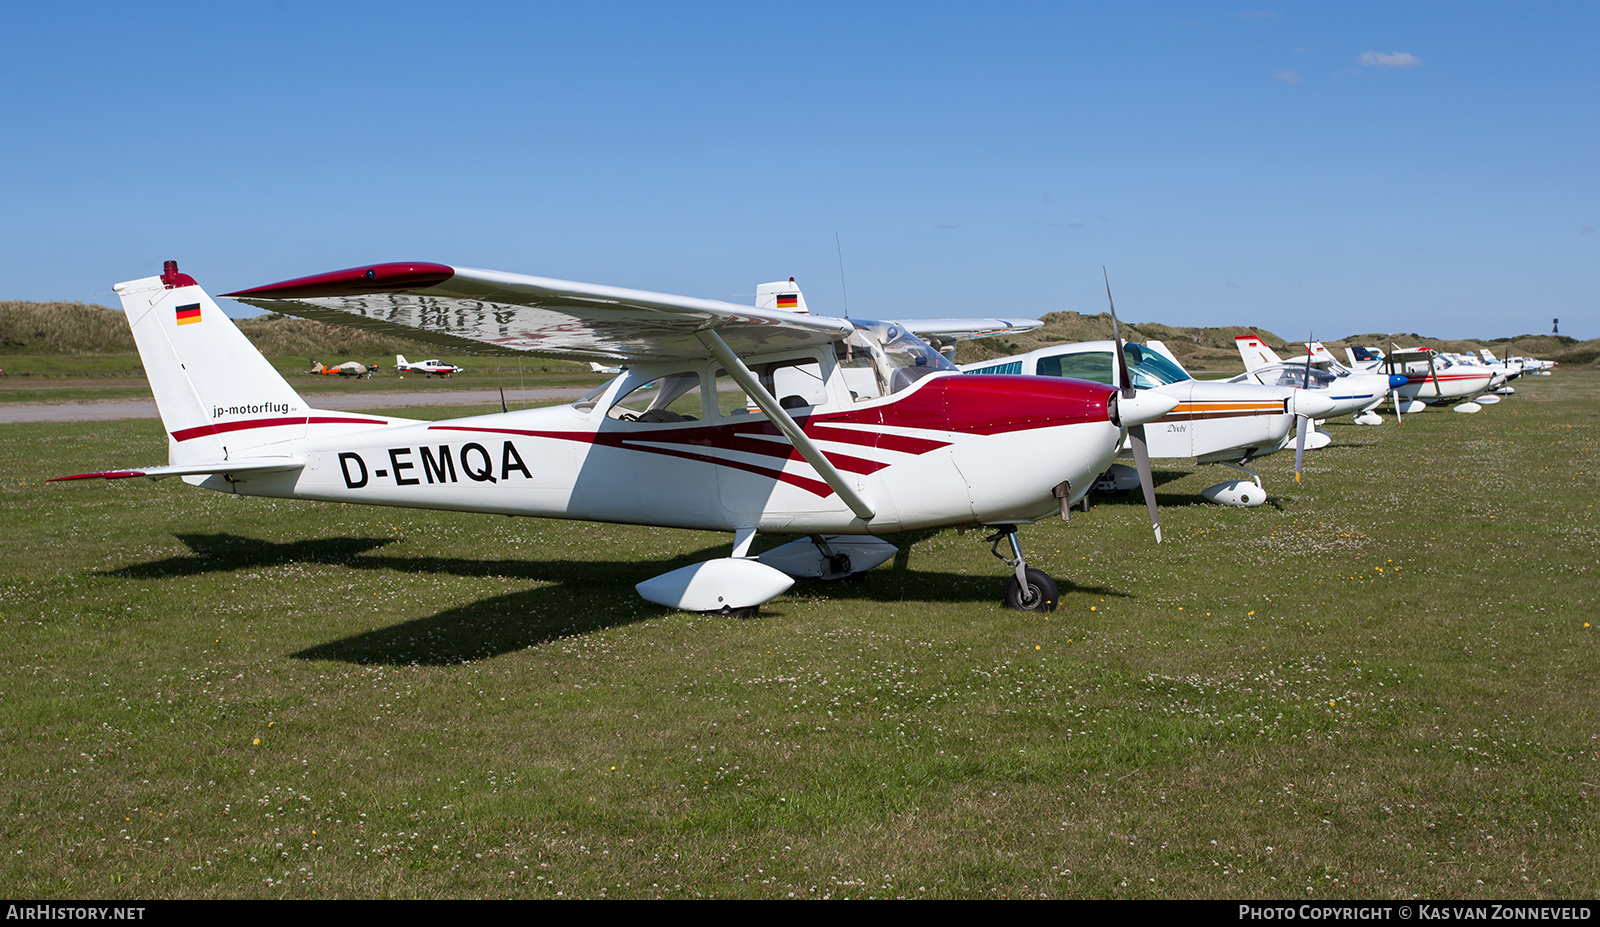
{"x": 1038, "y": 596}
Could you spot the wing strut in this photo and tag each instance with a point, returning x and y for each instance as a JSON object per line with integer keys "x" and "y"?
{"x": 779, "y": 416}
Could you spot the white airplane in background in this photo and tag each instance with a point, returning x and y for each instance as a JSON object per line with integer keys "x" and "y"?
{"x": 942, "y": 334}
{"x": 1430, "y": 377}
{"x": 1351, "y": 392}
{"x": 429, "y": 367}
{"x": 861, "y": 429}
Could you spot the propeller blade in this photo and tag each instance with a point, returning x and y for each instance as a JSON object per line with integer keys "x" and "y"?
{"x": 1302, "y": 425}
{"x": 1125, "y": 380}
{"x": 1141, "y": 459}
{"x": 1136, "y": 438}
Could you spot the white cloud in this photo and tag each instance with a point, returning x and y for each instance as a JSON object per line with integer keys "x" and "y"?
{"x": 1376, "y": 59}
{"x": 1288, "y": 77}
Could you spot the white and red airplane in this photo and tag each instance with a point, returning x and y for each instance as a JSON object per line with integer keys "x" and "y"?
{"x": 834, "y": 429}
{"x": 429, "y": 367}
{"x": 1430, "y": 377}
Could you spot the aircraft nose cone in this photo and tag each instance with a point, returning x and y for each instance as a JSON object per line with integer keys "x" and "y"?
{"x": 1313, "y": 403}
{"x": 1396, "y": 381}
{"x": 1144, "y": 406}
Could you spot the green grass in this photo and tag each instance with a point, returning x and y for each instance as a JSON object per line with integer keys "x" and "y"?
{"x": 1380, "y": 684}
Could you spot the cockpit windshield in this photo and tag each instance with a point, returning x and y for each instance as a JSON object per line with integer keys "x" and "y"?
{"x": 897, "y": 358}
{"x": 1296, "y": 376}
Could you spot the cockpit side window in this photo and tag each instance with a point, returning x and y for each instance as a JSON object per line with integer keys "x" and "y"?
{"x": 1094, "y": 366}
{"x": 798, "y": 383}
{"x": 672, "y": 398}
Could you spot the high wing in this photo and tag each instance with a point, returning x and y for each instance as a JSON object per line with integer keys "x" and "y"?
{"x": 948, "y": 330}
{"x": 489, "y": 312}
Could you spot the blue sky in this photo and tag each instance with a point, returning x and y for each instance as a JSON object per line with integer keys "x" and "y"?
{"x": 1337, "y": 168}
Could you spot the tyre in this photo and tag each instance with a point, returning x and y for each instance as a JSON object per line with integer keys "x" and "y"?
{"x": 1039, "y": 596}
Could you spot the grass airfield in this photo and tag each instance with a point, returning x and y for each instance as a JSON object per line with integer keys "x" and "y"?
{"x": 1381, "y": 684}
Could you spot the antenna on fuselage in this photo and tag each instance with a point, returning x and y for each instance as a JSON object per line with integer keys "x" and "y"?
{"x": 842, "y": 289}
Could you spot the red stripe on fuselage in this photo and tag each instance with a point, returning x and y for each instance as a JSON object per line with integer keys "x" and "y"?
{"x": 200, "y": 431}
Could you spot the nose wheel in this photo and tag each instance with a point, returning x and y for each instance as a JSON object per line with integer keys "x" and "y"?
{"x": 1030, "y": 590}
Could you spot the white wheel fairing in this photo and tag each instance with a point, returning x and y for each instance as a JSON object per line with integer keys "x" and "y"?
{"x": 726, "y": 583}
{"x": 1241, "y": 493}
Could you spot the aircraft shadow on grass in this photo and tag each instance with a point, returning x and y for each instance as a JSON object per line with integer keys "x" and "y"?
{"x": 586, "y": 596}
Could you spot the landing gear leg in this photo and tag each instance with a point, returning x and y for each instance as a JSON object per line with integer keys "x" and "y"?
{"x": 1246, "y": 471}
{"x": 1029, "y": 590}
{"x": 835, "y": 565}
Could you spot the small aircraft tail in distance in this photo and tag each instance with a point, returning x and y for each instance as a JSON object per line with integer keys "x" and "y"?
{"x": 1255, "y": 352}
{"x": 1361, "y": 358}
{"x": 781, "y": 294}
{"x": 1319, "y": 353}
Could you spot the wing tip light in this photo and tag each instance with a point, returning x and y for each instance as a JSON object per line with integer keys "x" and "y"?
{"x": 354, "y": 281}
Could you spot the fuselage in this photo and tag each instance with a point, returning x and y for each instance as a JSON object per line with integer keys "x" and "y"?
{"x": 943, "y": 450}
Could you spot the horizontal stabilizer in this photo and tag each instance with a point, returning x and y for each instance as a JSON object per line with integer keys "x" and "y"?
{"x": 257, "y": 465}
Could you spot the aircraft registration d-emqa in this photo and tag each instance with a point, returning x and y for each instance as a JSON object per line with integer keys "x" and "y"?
{"x": 733, "y": 418}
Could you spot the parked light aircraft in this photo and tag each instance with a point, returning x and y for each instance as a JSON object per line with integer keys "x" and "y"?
{"x": 1351, "y": 391}
{"x": 1213, "y": 422}
{"x": 346, "y": 369}
{"x": 861, "y": 429}
{"x": 1430, "y": 377}
{"x": 429, "y": 367}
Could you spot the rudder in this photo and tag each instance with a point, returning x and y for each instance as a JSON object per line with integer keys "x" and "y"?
{"x": 216, "y": 394}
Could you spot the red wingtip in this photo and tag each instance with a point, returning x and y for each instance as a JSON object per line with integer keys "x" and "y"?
{"x": 355, "y": 281}
{"x": 172, "y": 278}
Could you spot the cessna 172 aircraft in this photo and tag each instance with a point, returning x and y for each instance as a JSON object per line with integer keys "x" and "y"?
{"x": 858, "y": 427}
{"x": 429, "y": 367}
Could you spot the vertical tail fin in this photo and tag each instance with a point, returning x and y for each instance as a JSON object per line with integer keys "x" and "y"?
{"x": 782, "y": 294}
{"x": 217, "y": 395}
{"x": 1255, "y": 352}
